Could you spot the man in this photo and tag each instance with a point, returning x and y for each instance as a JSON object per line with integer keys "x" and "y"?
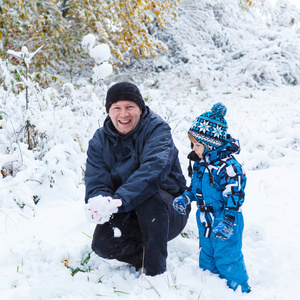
{"x": 133, "y": 159}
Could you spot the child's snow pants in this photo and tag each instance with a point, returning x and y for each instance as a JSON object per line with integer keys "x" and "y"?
{"x": 223, "y": 257}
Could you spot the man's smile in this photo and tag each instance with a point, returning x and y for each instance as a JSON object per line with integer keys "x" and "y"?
{"x": 125, "y": 115}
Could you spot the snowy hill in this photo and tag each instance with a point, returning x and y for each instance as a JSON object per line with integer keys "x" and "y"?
{"x": 248, "y": 58}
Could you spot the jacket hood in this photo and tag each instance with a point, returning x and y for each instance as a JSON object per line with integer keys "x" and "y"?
{"x": 231, "y": 146}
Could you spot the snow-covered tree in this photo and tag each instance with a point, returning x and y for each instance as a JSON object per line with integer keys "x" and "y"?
{"x": 125, "y": 25}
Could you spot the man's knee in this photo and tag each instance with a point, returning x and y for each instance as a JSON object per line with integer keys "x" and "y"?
{"x": 102, "y": 241}
{"x": 158, "y": 210}
{"x": 152, "y": 206}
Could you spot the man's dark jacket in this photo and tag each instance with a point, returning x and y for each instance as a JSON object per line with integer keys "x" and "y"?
{"x": 133, "y": 166}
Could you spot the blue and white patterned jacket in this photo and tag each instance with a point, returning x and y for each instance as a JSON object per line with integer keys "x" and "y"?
{"x": 218, "y": 180}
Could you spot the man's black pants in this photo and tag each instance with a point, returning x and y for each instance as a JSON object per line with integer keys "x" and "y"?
{"x": 145, "y": 232}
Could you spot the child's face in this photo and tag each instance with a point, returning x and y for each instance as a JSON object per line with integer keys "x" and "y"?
{"x": 199, "y": 149}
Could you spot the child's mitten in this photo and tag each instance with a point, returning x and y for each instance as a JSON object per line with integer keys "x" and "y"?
{"x": 180, "y": 204}
{"x": 100, "y": 208}
{"x": 224, "y": 229}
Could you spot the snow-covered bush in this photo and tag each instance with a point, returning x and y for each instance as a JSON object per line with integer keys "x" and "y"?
{"x": 231, "y": 43}
{"x": 44, "y": 132}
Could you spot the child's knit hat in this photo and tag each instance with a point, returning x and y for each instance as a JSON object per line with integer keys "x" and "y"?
{"x": 210, "y": 128}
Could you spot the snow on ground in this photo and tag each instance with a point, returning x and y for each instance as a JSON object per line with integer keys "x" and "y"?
{"x": 37, "y": 245}
{"x": 44, "y": 236}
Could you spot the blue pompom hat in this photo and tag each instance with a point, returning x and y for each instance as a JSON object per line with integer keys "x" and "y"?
{"x": 210, "y": 128}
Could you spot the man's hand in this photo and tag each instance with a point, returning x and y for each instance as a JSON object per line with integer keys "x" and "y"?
{"x": 100, "y": 208}
{"x": 180, "y": 204}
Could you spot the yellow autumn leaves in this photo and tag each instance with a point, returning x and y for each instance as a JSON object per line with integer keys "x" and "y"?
{"x": 125, "y": 25}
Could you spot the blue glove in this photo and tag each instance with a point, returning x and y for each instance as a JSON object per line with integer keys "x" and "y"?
{"x": 180, "y": 204}
{"x": 224, "y": 229}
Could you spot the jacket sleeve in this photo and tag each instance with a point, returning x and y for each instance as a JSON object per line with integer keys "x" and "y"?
{"x": 98, "y": 179}
{"x": 187, "y": 193}
{"x": 156, "y": 160}
{"x": 233, "y": 180}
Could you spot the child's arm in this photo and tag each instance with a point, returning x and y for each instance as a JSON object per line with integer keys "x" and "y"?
{"x": 233, "y": 179}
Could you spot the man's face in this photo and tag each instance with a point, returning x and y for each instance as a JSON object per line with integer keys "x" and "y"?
{"x": 125, "y": 115}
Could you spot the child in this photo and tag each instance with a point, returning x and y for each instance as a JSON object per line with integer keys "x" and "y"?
{"x": 218, "y": 183}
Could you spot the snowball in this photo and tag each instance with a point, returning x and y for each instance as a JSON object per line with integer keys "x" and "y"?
{"x": 101, "y": 71}
{"x": 88, "y": 41}
{"x": 100, "y": 53}
{"x": 117, "y": 232}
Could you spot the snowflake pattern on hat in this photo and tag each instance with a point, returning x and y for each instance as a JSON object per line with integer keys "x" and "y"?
{"x": 210, "y": 128}
{"x": 204, "y": 127}
{"x": 218, "y": 131}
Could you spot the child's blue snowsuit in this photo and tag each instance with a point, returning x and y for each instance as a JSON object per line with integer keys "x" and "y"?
{"x": 218, "y": 183}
